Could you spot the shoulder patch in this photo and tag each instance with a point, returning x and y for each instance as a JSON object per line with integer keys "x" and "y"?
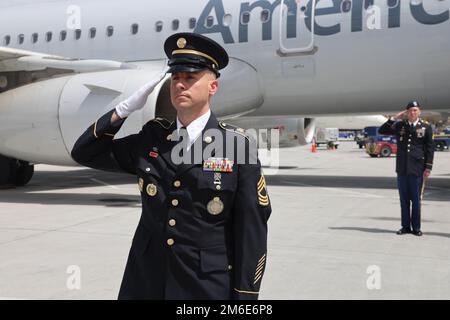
{"x": 166, "y": 124}
{"x": 234, "y": 129}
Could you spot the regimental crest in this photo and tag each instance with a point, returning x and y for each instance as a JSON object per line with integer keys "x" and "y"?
{"x": 152, "y": 190}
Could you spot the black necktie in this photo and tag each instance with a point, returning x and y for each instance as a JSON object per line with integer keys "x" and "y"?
{"x": 183, "y": 134}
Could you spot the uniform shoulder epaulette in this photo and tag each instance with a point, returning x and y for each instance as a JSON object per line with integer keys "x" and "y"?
{"x": 166, "y": 124}
{"x": 232, "y": 128}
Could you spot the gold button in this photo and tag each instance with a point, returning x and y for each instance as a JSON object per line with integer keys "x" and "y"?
{"x": 218, "y": 187}
{"x": 177, "y": 184}
{"x": 174, "y": 202}
{"x": 230, "y": 267}
{"x": 172, "y": 222}
{"x": 170, "y": 242}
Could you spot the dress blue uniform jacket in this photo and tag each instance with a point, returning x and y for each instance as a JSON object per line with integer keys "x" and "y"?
{"x": 200, "y": 236}
{"x": 415, "y": 146}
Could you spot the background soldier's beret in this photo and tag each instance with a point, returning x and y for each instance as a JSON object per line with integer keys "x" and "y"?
{"x": 412, "y": 104}
{"x": 191, "y": 52}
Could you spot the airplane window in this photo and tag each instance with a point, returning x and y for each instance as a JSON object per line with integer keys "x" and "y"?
{"x": 135, "y": 28}
{"x": 110, "y": 31}
{"x": 92, "y": 33}
{"x": 7, "y": 40}
{"x": 227, "y": 19}
{"x": 209, "y": 21}
{"x": 245, "y": 18}
{"x": 393, "y": 3}
{"x": 368, "y": 3}
{"x": 77, "y": 34}
{"x": 20, "y": 38}
{"x": 265, "y": 15}
{"x": 159, "y": 26}
{"x": 192, "y": 23}
{"x": 48, "y": 36}
{"x": 346, "y": 6}
{"x": 34, "y": 37}
{"x": 175, "y": 24}
{"x": 63, "y": 35}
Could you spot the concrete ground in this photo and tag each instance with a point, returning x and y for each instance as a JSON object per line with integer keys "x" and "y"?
{"x": 331, "y": 234}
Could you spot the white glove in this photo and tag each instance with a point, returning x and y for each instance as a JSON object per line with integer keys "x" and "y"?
{"x": 138, "y": 99}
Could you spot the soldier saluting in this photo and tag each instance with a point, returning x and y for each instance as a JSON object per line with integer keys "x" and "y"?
{"x": 203, "y": 228}
{"x": 414, "y": 162}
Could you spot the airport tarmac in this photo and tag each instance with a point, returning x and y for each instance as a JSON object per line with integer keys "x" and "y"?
{"x": 331, "y": 233}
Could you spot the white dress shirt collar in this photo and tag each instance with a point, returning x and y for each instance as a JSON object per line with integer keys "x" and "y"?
{"x": 195, "y": 128}
{"x": 414, "y": 123}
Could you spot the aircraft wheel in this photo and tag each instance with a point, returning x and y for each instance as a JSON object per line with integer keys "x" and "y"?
{"x": 21, "y": 173}
{"x": 5, "y": 170}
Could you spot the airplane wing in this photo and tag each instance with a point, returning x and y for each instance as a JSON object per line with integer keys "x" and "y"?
{"x": 16, "y": 60}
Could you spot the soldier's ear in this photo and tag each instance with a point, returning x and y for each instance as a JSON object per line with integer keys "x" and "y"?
{"x": 213, "y": 87}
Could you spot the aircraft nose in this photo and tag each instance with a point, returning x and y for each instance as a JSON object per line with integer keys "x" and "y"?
{"x": 29, "y": 126}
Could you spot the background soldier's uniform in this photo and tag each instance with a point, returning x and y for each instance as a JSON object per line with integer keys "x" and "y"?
{"x": 199, "y": 237}
{"x": 414, "y": 155}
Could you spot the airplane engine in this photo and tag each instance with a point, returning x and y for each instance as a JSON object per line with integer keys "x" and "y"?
{"x": 292, "y": 132}
{"x": 40, "y": 121}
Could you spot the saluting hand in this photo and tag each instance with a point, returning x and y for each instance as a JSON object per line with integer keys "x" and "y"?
{"x": 138, "y": 99}
{"x": 400, "y": 115}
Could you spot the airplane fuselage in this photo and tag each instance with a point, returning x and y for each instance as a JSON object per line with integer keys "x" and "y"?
{"x": 362, "y": 61}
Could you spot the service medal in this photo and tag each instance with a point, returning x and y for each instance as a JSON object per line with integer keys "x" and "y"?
{"x": 215, "y": 206}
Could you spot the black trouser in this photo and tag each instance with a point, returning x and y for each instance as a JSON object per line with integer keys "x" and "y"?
{"x": 410, "y": 190}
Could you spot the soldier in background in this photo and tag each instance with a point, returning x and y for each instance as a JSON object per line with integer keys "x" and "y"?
{"x": 414, "y": 162}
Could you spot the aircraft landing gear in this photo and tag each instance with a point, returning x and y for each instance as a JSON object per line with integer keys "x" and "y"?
{"x": 14, "y": 172}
